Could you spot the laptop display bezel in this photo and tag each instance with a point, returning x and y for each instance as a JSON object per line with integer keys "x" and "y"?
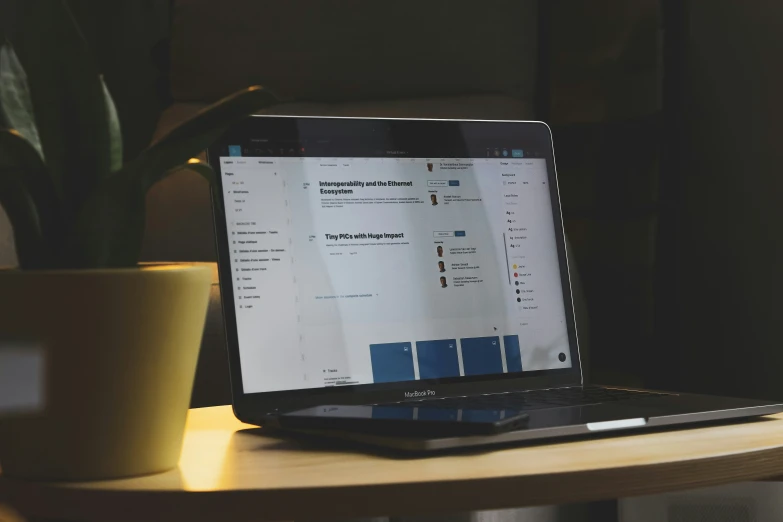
{"x": 252, "y": 407}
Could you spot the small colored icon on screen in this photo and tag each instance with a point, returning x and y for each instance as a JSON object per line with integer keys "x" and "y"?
{"x": 517, "y": 153}
{"x": 234, "y": 150}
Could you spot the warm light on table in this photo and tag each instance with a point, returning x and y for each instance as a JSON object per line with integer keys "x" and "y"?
{"x": 229, "y": 471}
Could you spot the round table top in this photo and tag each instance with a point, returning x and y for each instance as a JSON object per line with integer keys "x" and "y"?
{"x": 230, "y": 471}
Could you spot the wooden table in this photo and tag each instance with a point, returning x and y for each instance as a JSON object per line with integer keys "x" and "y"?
{"x": 228, "y": 471}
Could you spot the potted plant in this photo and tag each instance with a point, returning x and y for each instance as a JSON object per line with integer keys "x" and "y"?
{"x": 116, "y": 342}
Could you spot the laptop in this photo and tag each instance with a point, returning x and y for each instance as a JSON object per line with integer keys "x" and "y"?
{"x": 378, "y": 261}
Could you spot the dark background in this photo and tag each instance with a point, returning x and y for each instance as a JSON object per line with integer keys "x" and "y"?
{"x": 671, "y": 191}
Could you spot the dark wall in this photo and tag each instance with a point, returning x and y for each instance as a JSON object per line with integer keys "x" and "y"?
{"x": 601, "y": 97}
{"x": 128, "y": 41}
{"x": 604, "y": 93}
{"x": 719, "y": 324}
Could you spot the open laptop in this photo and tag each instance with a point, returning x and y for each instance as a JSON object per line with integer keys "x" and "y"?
{"x": 377, "y": 261}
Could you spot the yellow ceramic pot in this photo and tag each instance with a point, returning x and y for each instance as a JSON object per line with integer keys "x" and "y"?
{"x": 118, "y": 351}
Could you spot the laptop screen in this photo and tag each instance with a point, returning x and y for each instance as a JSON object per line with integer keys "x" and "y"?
{"x": 358, "y": 255}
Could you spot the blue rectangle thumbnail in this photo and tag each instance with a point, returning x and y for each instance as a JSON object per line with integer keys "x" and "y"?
{"x": 481, "y": 355}
{"x": 453, "y": 183}
{"x": 392, "y": 362}
{"x": 513, "y": 355}
{"x": 234, "y": 150}
{"x": 437, "y": 359}
{"x": 459, "y": 233}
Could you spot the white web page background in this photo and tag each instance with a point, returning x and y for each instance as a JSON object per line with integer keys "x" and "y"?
{"x": 320, "y": 276}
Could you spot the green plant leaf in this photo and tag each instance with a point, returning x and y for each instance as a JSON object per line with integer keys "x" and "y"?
{"x": 68, "y": 98}
{"x": 18, "y": 158}
{"x": 22, "y": 181}
{"x": 196, "y": 134}
{"x": 15, "y": 103}
{"x": 30, "y": 244}
{"x": 115, "y": 133}
{"x": 109, "y": 229}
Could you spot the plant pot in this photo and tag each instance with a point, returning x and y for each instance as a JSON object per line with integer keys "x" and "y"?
{"x": 118, "y": 351}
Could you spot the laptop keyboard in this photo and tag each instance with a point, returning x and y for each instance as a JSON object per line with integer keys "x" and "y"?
{"x": 538, "y": 399}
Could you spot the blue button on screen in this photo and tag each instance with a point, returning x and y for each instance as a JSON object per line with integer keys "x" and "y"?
{"x": 234, "y": 150}
{"x": 453, "y": 183}
{"x": 459, "y": 233}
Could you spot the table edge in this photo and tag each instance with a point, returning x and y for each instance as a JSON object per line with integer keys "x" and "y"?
{"x": 393, "y": 499}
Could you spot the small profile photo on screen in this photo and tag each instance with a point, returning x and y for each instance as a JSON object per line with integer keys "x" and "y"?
{"x": 434, "y": 199}
{"x": 440, "y": 251}
{"x": 443, "y": 282}
{"x": 429, "y": 167}
{"x": 441, "y": 266}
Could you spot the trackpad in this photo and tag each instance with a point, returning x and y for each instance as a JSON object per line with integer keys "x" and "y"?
{"x": 599, "y": 417}
{"x": 616, "y": 424}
